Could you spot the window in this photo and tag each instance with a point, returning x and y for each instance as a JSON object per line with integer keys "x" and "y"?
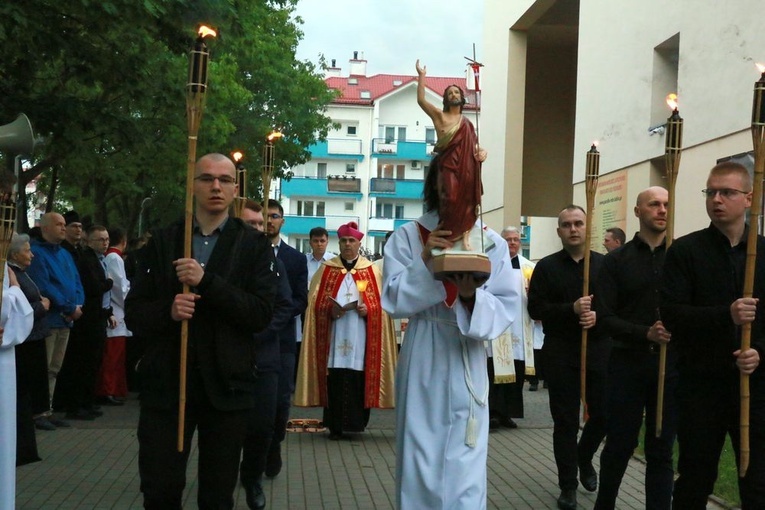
{"x": 430, "y": 135}
{"x": 390, "y": 134}
{"x": 350, "y": 168}
{"x": 321, "y": 170}
{"x": 385, "y": 171}
{"x": 310, "y": 208}
{"x": 384, "y": 210}
{"x": 365, "y": 94}
{"x": 351, "y": 130}
{"x": 399, "y": 212}
{"x": 666, "y": 60}
{"x": 402, "y": 134}
{"x": 304, "y": 245}
{"x": 350, "y": 206}
{"x": 400, "y": 171}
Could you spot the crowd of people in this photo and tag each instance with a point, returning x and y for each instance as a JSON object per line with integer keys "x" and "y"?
{"x": 262, "y": 322}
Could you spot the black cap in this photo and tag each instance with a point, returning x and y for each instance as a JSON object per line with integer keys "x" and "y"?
{"x": 71, "y": 217}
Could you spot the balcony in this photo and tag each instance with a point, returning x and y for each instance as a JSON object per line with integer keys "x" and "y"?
{"x": 386, "y": 224}
{"x": 416, "y": 151}
{"x": 343, "y": 184}
{"x": 313, "y": 187}
{"x": 341, "y": 148}
{"x": 400, "y": 188}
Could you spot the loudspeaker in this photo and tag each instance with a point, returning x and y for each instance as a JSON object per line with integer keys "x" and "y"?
{"x": 17, "y": 137}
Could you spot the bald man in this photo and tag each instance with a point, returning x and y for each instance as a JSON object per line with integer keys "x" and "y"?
{"x": 627, "y": 307}
{"x": 54, "y": 272}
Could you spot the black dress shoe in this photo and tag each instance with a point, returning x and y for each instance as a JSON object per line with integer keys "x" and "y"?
{"x": 493, "y": 423}
{"x": 59, "y": 423}
{"x": 82, "y": 414}
{"x": 588, "y": 477}
{"x": 274, "y": 461}
{"x": 43, "y": 423}
{"x": 508, "y": 423}
{"x": 567, "y": 499}
{"x": 256, "y": 499}
{"x": 112, "y": 401}
{"x": 533, "y": 386}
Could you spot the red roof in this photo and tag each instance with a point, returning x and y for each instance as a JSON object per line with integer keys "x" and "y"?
{"x": 380, "y": 85}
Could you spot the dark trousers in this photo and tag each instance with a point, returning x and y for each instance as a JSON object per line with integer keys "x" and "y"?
{"x": 506, "y": 399}
{"x": 708, "y": 410}
{"x": 163, "y": 469}
{"x": 260, "y": 428}
{"x": 32, "y": 375}
{"x": 563, "y": 385}
{"x": 285, "y": 390}
{"x": 632, "y": 388}
{"x": 76, "y": 386}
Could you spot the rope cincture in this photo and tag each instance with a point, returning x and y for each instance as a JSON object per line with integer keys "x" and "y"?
{"x": 471, "y": 430}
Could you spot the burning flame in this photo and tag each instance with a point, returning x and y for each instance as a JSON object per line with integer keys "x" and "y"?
{"x": 237, "y": 156}
{"x": 672, "y": 101}
{"x": 274, "y": 135}
{"x": 362, "y": 286}
{"x": 205, "y": 31}
{"x": 595, "y": 143}
{"x": 761, "y": 68}
{"x": 527, "y": 272}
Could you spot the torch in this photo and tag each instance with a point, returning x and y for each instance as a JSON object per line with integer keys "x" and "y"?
{"x": 195, "y": 100}
{"x": 268, "y": 164}
{"x": 591, "y": 187}
{"x": 7, "y": 228}
{"x": 758, "y": 141}
{"x": 673, "y": 148}
{"x": 241, "y": 182}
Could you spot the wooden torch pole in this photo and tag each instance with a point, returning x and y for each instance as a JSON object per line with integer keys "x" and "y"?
{"x": 195, "y": 96}
{"x": 758, "y": 137}
{"x": 673, "y": 148}
{"x": 591, "y": 187}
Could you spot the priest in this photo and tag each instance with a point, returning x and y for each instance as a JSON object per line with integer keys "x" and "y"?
{"x": 348, "y": 357}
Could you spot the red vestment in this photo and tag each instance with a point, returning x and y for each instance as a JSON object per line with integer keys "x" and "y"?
{"x": 460, "y": 178}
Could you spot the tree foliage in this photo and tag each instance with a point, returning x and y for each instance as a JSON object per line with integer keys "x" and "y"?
{"x": 104, "y": 83}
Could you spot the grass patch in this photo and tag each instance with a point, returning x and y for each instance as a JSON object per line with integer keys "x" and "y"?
{"x": 726, "y": 487}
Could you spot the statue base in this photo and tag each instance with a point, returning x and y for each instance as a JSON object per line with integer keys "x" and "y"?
{"x": 458, "y": 260}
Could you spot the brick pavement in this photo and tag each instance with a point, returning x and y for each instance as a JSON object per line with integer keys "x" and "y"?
{"x": 94, "y": 465}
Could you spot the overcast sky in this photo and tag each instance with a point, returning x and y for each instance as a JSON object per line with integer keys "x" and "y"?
{"x": 392, "y": 34}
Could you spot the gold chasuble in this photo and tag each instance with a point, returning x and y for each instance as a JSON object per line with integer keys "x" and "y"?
{"x": 380, "y": 356}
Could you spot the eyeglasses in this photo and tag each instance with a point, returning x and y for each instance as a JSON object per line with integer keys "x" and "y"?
{"x": 224, "y": 180}
{"x": 724, "y": 193}
{"x": 275, "y": 216}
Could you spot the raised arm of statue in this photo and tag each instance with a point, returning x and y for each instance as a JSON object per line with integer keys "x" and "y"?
{"x": 429, "y": 108}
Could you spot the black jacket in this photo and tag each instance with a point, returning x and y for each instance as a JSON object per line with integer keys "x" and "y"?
{"x": 703, "y": 275}
{"x": 237, "y": 296}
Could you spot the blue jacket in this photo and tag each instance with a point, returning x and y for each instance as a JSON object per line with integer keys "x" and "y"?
{"x": 54, "y": 272}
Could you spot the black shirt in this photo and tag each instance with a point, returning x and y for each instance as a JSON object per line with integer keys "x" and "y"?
{"x": 628, "y": 292}
{"x": 703, "y": 276}
{"x": 557, "y": 283}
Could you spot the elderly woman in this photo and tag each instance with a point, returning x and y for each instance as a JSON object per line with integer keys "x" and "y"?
{"x": 31, "y": 361}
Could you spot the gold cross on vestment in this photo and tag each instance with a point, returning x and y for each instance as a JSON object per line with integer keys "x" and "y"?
{"x": 346, "y": 347}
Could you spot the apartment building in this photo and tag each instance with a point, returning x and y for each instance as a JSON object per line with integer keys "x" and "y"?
{"x": 372, "y": 166}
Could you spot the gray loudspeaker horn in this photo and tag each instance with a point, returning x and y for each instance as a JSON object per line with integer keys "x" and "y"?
{"x": 17, "y": 137}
